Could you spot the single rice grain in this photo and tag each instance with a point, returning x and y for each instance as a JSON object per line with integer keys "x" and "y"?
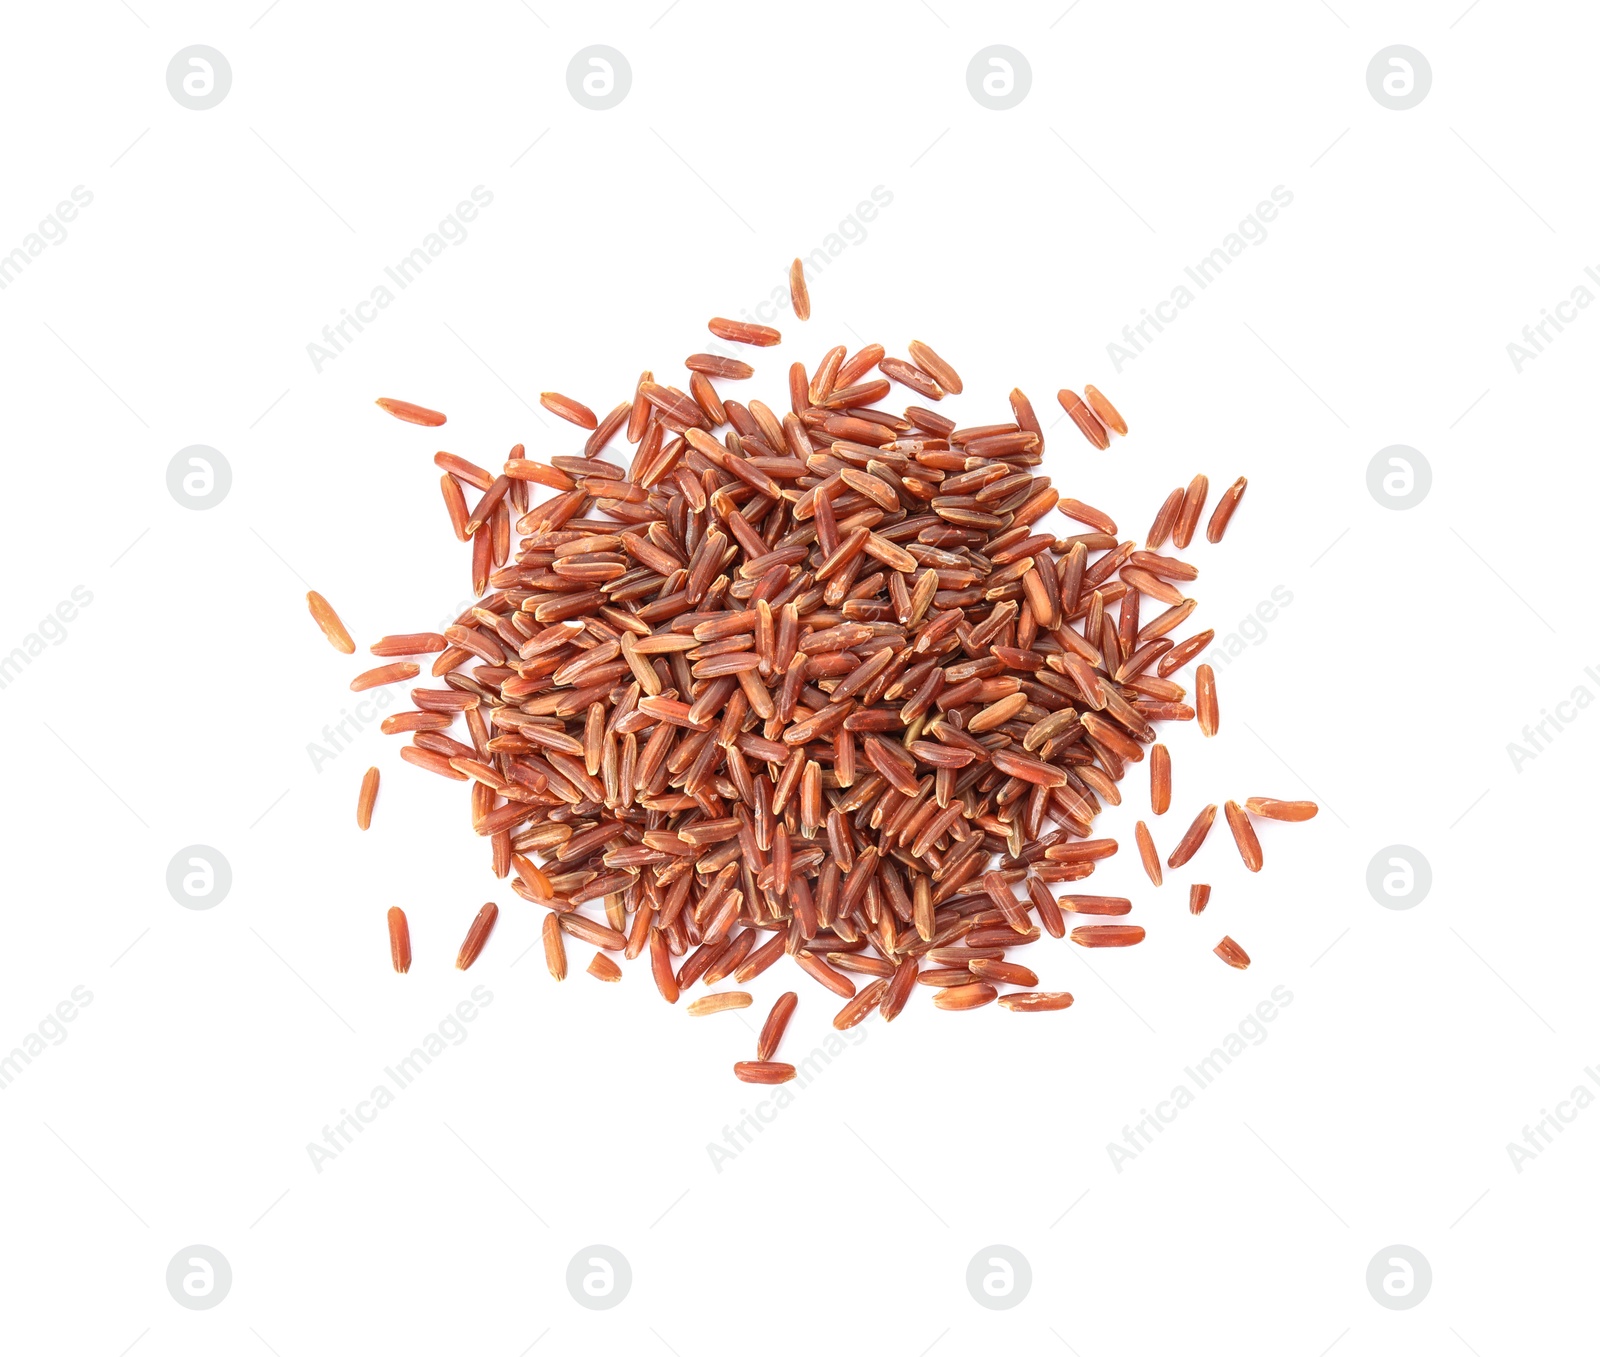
{"x": 1244, "y": 835}
{"x": 1147, "y": 852}
{"x": 776, "y": 1024}
{"x": 369, "y": 795}
{"x": 477, "y": 935}
{"x": 412, "y": 414}
{"x": 1036, "y": 1001}
{"x": 799, "y": 294}
{"x": 724, "y": 1002}
{"x": 1105, "y": 411}
{"x": 1205, "y": 698}
{"x": 1232, "y": 953}
{"x": 1194, "y": 500}
{"x": 399, "y": 940}
{"x": 763, "y": 1071}
{"x": 1160, "y": 779}
{"x": 1269, "y": 809}
{"x": 322, "y": 612}
{"x": 1107, "y": 935}
{"x": 1193, "y": 837}
{"x": 574, "y": 412}
{"x": 1224, "y": 510}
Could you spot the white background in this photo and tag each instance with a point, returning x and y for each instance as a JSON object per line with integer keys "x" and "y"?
{"x": 178, "y": 706}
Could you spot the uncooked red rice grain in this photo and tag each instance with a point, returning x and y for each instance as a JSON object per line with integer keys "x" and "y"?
{"x": 819, "y": 686}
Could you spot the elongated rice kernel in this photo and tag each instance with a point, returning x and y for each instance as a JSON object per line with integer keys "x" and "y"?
{"x": 369, "y": 794}
{"x": 1205, "y": 698}
{"x": 935, "y": 366}
{"x": 959, "y": 998}
{"x": 555, "y": 947}
{"x": 1147, "y": 852}
{"x": 399, "y": 940}
{"x": 776, "y": 1024}
{"x": 1160, "y": 779}
{"x": 1269, "y": 809}
{"x": 1107, "y": 935}
{"x": 412, "y": 414}
{"x": 1244, "y": 835}
{"x": 743, "y": 332}
{"x": 1036, "y": 1001}
{"x": 322, "y": 612}
{"x": 1223, "y": 513}
{"x": 574, "y": 412}
{"x": 477, "y": 935}
{"x": 763, "y": 1071}
{"x": 1193, "y": 837}
{"x": 1194, "y": 500}
{"x": 1088, "y": 423}
{"x": 799, "y": 295}
{"x": 383, "y": 674}
{"x": 1105, "y": 411}
{"x": 724, "y": 1002}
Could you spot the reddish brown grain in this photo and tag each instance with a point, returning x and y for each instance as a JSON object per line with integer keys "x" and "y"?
{"x": 1223, "y": 513}
{"x": 1205, "y": 698}
{"x": 383, "y": 674}
{"x": 725, "y": 1002}
{"x": 399, "y": 940}
{"x": 799, "y": 294}
{"x": 1160, "y": 779}
{"x": 763, "y": 1071}
{"x": 325, "y": 617}
{"x": 1244, "y": 835}
{"x": 1232, "y": 953}
{"x": 1269, "y": 809}
{"x": 555, "y": 947}
{"x": 1107, "y": 935}
{"x": 1193, "y": 837}
{"x": 477, "y": 935}
{"x": 1147, "y": 852}
{"x": 776, "y": 1024}
{"x": 821, "y": 681}
{"x": 1105, "y": 411}
{"x": 368, "y": 796}
{"x": 602, "y": 967}
{"x": 1037, "y": 1001}
{"x": 574, "y": 412}
{"x": 1088, "y": 424}
{"x": 1194, "y": 500}
{"x": 412, "y": 414}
